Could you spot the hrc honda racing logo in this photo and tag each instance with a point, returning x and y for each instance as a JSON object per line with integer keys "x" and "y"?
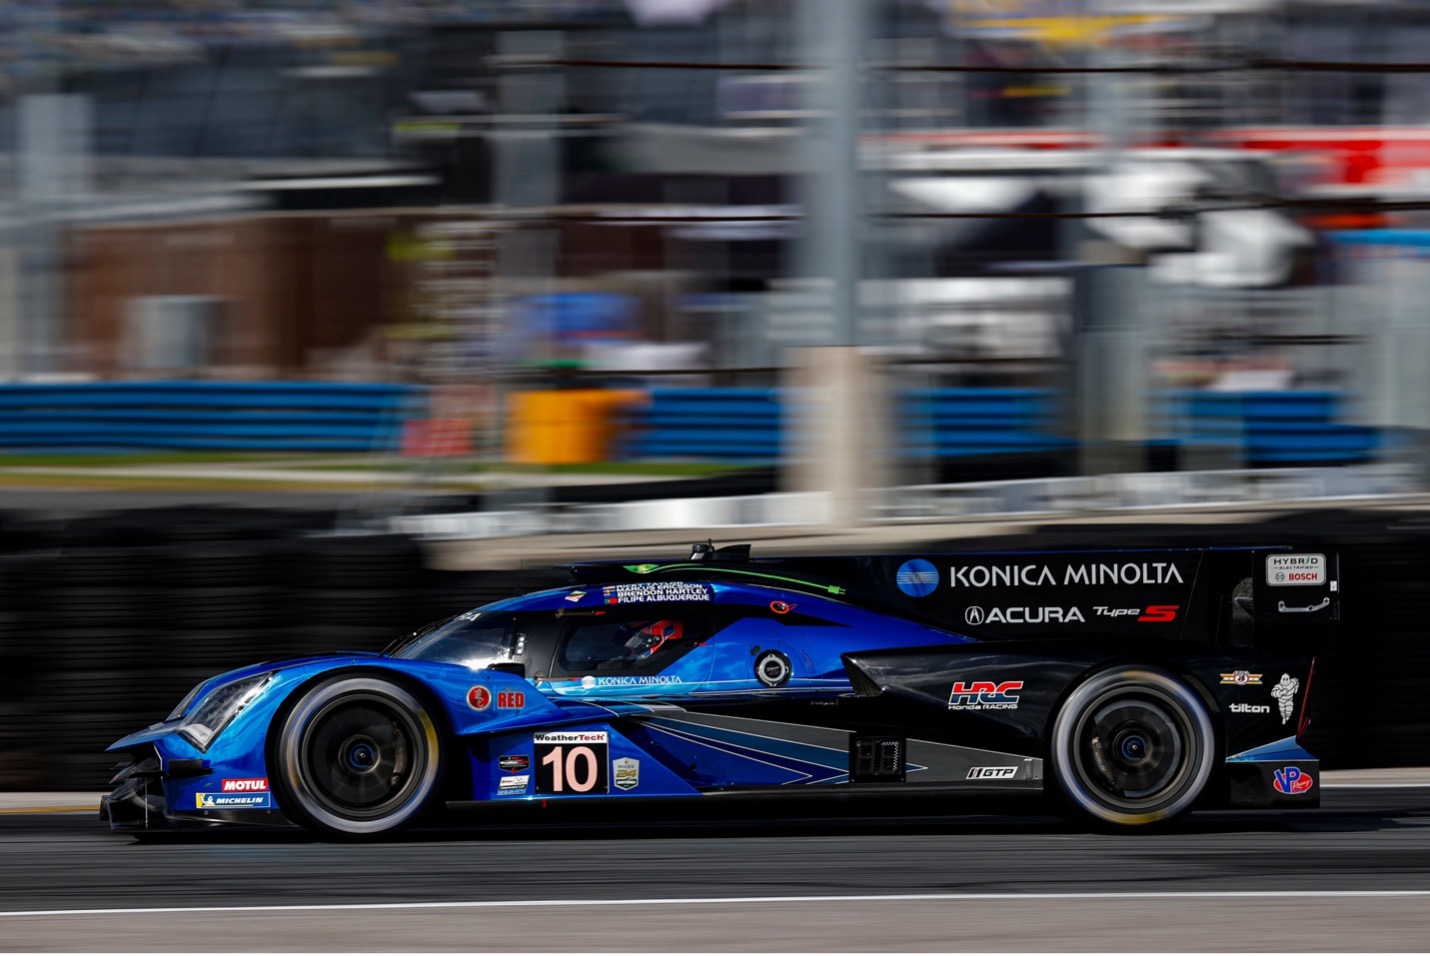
{"x": 984, "y": 695}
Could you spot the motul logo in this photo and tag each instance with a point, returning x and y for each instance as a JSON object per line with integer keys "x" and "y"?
{"x": 246, "y": 785}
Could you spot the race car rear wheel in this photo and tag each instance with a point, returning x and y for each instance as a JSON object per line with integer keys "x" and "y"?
{"x": 1132, "y": 747}
{"x": 357, "y": 756}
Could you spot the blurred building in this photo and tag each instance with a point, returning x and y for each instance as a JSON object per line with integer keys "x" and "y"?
{"x": 376, "y": 191}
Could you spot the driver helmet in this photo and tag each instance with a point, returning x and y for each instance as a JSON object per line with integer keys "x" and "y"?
{"x": 650, "y": 638}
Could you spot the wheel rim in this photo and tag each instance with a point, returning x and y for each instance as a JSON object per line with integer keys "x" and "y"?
{"x": 360, "y": 756}
{"x": 1133, "y": 747}
{"x": 1132, "y": 751}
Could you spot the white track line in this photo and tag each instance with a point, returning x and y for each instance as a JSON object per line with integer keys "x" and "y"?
{"x": 717, "y": 900}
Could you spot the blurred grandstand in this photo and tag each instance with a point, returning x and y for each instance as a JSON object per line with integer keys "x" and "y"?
{"x": 559, "y": 222}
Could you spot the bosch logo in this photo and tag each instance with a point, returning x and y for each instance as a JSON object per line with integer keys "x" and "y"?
{"x": 984, "y": 695}
{"x": 246, "y": 785}
{"x": 479, "y": 698}
{"x": 1292, "y": 569}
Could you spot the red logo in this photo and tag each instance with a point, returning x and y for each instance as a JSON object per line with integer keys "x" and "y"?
{"x": 1160, "y": 613}
{"x": 984, "y": 695}
{"x": 1292, "y": 780}
{"x": 479, "y": 698}
{"x": 246, "y": 785}
{"x": 511, "y": 699}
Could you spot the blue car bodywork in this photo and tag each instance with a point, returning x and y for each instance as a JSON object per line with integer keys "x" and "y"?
{"x": 683, "y": 679}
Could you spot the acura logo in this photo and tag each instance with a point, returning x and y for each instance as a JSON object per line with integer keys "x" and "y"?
{"x": 973, "y": 616}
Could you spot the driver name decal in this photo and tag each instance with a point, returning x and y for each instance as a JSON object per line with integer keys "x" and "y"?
{"x": 653, "y": 591}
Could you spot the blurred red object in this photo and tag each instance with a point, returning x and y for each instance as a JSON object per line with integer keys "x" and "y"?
{"x": 436, "y": 437}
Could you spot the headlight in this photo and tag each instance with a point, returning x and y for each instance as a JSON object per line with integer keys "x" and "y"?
{"x": 219, "y": 707}
{"x": 178, "y": 711}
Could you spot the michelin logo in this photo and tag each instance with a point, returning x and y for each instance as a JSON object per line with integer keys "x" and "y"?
{"x": 233, "y": 801}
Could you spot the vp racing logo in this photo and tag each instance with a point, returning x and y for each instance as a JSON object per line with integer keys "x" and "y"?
{"x": 984, "y": 695}
{"x": 917, "y": 578}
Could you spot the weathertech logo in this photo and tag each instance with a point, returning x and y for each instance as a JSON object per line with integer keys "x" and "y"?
{"x": 984, "y": 695}
{"x": 246, "y": 785}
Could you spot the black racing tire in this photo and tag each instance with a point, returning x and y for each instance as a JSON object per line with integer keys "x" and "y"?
{"x": 1132, "y": 747}
{"x": 356, "y": 757}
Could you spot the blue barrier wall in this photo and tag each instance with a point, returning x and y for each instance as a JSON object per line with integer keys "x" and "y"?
{"x": 713, "y": 424}
{"x": 747, "y": 424}
{"x": 1258, "y": 429}
{"x": 949, "y": 422}
{"x": 716, "y": 424}
{"x": 215, "y": 416}
{"x": 1271, "y": 428}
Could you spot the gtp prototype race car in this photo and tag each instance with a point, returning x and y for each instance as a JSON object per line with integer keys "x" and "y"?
{"x": 1134, "y": 686}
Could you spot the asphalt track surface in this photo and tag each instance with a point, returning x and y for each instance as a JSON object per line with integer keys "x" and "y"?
{"x": 1351, "y": 876}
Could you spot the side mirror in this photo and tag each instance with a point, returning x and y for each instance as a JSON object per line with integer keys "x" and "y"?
{"x": 509, "y": 667}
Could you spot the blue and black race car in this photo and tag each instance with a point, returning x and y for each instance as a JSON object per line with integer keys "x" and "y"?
{"x": 1134, "y": 686}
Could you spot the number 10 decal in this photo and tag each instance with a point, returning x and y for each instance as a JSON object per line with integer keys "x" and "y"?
{"x": 573, "y": 762}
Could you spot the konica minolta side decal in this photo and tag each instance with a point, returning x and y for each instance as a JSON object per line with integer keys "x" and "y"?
{"x": 1122, "y": 592}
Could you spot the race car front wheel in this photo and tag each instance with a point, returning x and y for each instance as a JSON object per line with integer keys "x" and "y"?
{"x": 357, "y": 756}
{"x": 1132, "y": 747}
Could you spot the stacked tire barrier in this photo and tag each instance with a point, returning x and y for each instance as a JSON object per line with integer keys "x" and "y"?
{"x": 108, "y": 621}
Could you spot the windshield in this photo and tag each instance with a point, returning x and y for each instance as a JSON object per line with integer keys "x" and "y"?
{"x": 474, "y": 640}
